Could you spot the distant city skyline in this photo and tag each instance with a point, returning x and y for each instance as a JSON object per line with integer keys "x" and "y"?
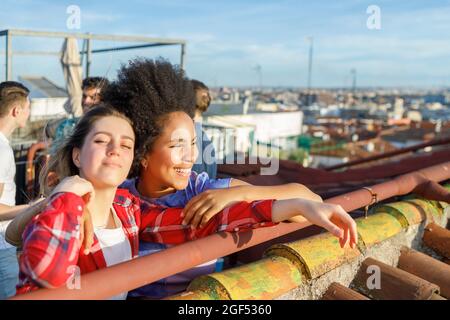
{"x": 248, "y": 43}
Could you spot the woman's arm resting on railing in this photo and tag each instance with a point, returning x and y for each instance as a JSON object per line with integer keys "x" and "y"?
{"x": 165, "y": 225}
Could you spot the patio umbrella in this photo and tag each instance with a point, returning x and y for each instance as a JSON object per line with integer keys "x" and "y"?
{"x": 72, "y": 69}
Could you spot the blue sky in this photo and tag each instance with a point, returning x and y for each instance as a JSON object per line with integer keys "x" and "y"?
{"x": 228, "y": 39}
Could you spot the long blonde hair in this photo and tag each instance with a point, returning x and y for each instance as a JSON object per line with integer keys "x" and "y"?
{"x": 61, "y": 164}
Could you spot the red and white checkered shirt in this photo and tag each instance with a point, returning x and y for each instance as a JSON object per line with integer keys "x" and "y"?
{"x": 52, "y": 246}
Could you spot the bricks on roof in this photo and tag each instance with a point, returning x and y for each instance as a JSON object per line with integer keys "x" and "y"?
{"x": 322, "y": 181}
{"x": 291, "y": 269}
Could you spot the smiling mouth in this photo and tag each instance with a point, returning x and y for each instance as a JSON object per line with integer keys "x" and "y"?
{"x": 183, "y": 172}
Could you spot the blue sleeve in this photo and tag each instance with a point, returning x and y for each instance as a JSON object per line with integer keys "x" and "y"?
{"x": 203, "y": 183}
{"x": 206, "y": 160}
{"x": 212, "y": 167}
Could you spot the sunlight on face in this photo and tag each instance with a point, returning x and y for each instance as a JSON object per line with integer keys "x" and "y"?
{"x": 173, "y": 154}
{"x": 107, "y": 153}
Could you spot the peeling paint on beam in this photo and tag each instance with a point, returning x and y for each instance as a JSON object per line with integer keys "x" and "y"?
{"x": 262, "y": 280}
{"x": 377, "y": 228}
{"x": 315, "y": 255}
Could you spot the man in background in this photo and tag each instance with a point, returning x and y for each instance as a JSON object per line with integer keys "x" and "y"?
{"x": 14, "y": 113}
{"x": 92, "y": 91}
{"x": 206, "y": 161}
{"x": 56, "y": 132}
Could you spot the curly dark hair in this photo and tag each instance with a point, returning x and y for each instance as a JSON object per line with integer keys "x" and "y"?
{"x": 147, "y": 91}
{"x": 95, "y": 82}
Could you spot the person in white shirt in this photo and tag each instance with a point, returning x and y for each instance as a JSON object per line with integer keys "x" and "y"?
{"x": 14, "y": 113}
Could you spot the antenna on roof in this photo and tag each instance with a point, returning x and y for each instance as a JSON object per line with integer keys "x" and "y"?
{"x": 258, "y": 70}
{"x": 311, "y": 41}
{"x": 353, "y": 72}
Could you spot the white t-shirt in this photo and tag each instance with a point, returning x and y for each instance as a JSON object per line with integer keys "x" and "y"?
{"x": 7, "y": 173}
{"x": 115, "y": 247}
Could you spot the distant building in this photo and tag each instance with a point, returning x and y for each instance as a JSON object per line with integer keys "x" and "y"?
{"x": 414, "y": 115}
{"x": 240, "y": 128}
{"x": 432, "y": 98}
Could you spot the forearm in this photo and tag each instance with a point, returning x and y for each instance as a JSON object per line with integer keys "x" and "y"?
{"x": 165, "y": 226}
{"x": 24, "y": 216}
{"x": 288, "y": 210}
{"x": 280, "y": 192}
{"x": 4, "y": 209}
{"x": 8, "y": 212}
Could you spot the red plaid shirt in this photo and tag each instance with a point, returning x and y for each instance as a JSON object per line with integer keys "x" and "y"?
{"x": 52, "y": 247}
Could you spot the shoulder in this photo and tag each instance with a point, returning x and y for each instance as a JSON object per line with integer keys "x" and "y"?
{"x": 204, "y": 181}
{"x": 130, "y": 185}
{"x": 198, "y": 180}
{"x": 64, "y": 207}
{"x": 125, "y": 198}
{"x": 202, "y": 176}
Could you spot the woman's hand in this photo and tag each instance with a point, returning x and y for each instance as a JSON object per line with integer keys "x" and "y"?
{"x": 77, "y": 185}
{"x": 201, "y": 208}
{"x": 86, "y": 231}
{"x": 335, "y": 219}
{"x": 329, "y": 216}
{"x": 85, "y": 190}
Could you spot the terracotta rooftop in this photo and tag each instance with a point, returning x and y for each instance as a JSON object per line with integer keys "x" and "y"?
{"x": 399, "y": 257}
{"x": 355, "y": 151}
{"x": 329, "y": 184}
